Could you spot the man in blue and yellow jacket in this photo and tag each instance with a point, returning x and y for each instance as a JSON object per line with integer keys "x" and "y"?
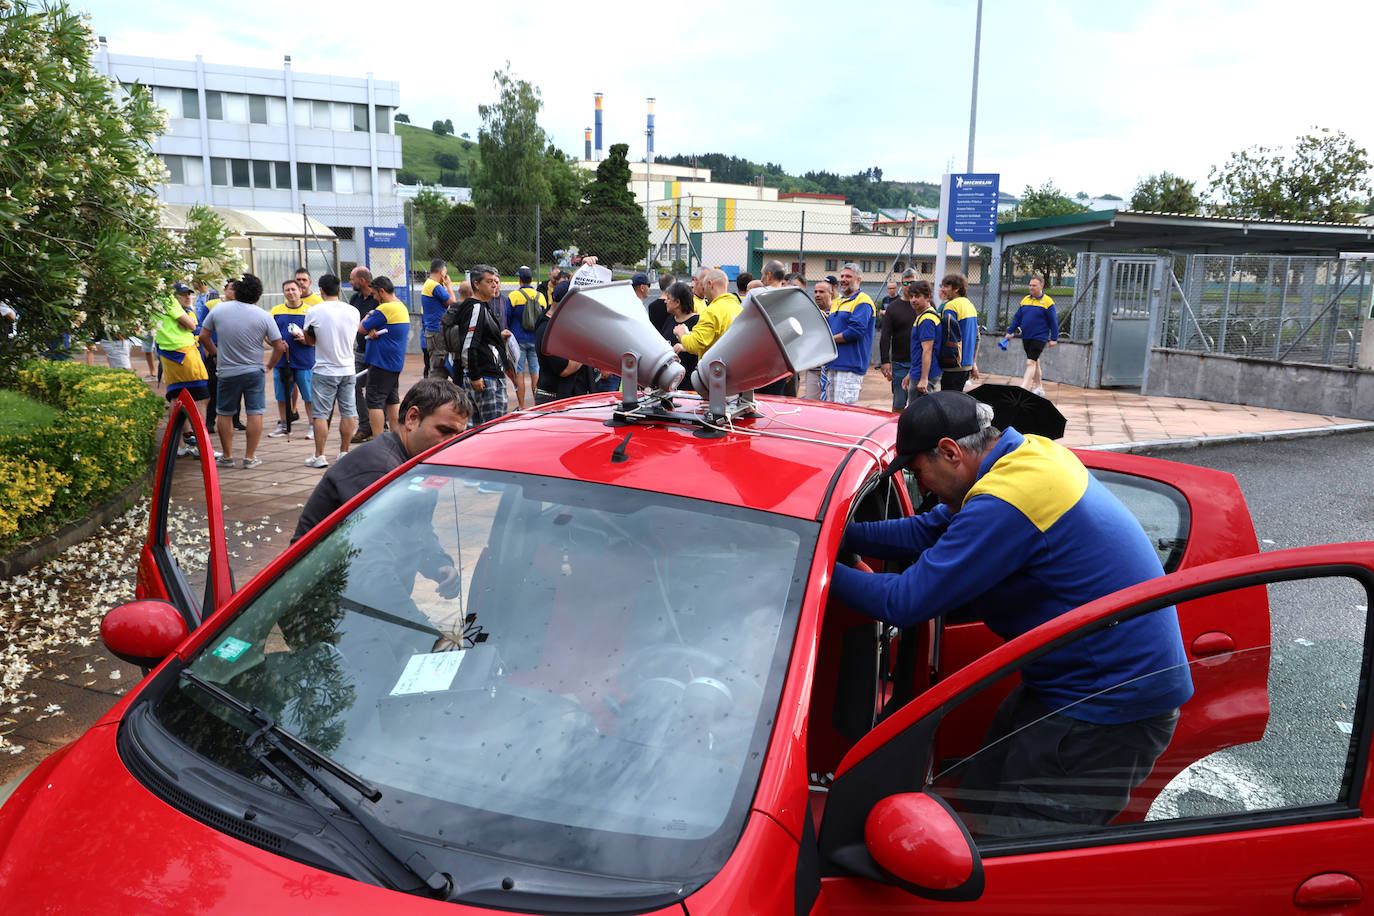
{"x": 954, "y": 296}
{"x": 852, "y": 324}
{"x": 1024, "y": 534}
{"x": 1039, "y": 326}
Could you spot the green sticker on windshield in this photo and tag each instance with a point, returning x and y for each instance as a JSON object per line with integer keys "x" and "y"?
{"x": 231, "y": 649}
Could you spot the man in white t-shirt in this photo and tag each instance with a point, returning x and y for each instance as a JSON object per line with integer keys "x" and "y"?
{"x": 330, "y": 326}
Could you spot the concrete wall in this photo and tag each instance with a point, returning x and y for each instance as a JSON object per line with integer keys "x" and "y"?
{"x": 1227, "y": 379}
{"x": 1067, "y": 362}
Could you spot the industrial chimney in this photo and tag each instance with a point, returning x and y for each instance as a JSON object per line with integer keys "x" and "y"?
{"x": 598, "y": 126}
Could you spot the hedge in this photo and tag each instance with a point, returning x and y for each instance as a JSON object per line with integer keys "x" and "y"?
{"x": 102, "y": 441}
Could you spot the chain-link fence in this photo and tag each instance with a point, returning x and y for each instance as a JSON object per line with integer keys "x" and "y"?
{"x": 1290, "y": 309}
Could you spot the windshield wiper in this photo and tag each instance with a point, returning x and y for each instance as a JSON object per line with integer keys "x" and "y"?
{"x": 271, "y": 736}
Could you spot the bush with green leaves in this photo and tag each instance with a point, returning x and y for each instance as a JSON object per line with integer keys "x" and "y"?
{"x": 101, "y": 441}
{"x": 83, "y": 238}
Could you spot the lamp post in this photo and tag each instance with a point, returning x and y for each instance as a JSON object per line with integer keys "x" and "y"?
{"x": 973, "y": 118}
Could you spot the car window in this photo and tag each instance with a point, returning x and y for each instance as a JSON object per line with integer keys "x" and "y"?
{"x": 1161, "y": 510}
{"x": 1041, "y": 770}
{"x": 555, "y": 671}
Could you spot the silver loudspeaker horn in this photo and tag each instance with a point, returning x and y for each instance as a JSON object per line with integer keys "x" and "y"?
{"x": 607, "y": 327}
{"x": 780, "y": 331}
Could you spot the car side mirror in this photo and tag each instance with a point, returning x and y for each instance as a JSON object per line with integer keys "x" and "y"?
{"x": 143, "y": 633}
{"x": 917, "y": 839}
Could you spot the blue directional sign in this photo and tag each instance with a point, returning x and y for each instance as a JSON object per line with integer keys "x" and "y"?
{"x": 973, "y": 207}
{"x": 386, "y": 253}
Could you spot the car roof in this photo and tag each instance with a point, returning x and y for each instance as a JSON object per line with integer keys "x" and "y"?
{"x": 784, "y": 461}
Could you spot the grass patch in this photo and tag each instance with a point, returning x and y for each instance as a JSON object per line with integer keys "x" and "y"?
{"x": 19, "y": 412}
{"x": 420, "y": 144}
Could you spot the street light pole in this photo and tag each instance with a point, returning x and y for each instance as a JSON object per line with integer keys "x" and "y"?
{"x": 973, "y": 118}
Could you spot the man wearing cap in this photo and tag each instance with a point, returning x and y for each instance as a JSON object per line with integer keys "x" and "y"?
{"x": 527, "y": 368}
{"x": 1023, "y": 534}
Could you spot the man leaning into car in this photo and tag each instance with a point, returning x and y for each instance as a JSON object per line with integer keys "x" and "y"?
{"x": 1023, "y": 534}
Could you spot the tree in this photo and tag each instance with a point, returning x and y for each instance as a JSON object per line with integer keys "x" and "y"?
{"x": 82, "y": 233}
{"x": 1165, "y": 193}
{"x": 510, "y": 148}
{"x": 440, "y": 128}
{"x": 610, "y": 224}
{"x": 448, "y": 126}
{"x": 1036, "y": 203}
{"x": 448, "y": 161}
{"x": 402, "y": 118}
{"x": 1326, "y": 178}
{"x": 465, "y": 135}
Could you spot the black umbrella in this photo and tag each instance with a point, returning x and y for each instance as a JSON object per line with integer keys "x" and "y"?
{"x": 1013, "y": 405}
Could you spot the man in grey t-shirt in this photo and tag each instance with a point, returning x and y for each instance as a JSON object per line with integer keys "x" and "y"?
{"x": 240, "y": 329}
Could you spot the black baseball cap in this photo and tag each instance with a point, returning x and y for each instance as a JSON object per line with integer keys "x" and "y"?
{"x": 927, "y": 420}
{"x": 524, "y": 273}
{"x": 180, "y": 288}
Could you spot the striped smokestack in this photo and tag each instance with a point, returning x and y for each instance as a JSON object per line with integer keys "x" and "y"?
{"x": 650, "y": 130}
{"x": 588, "y": 147}
{"x": 598, "y": 126}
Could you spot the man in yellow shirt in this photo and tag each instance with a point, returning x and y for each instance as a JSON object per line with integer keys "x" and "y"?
{"x": 715, "y": 320}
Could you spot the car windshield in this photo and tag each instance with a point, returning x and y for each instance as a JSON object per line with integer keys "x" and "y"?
{"x": 563, "y": 673}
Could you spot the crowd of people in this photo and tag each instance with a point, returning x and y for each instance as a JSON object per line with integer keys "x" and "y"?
{"x": 327, "y": 356}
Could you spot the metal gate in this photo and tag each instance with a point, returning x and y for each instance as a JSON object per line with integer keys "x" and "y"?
{"x": 1128, "y": 307}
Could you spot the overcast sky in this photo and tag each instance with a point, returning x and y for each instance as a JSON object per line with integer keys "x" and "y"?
{"x": 1093, "y": 95}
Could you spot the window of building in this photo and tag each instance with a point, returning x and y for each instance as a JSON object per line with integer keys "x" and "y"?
{"x": 240, "y": 172}
{"x": 341, "y": 116}
{"x": 324, "y": 178}
{"x": 276, "y": 110}
{"x": 320, "y": 114}
{"x": 865, "y": 267}
{"x": 214, "y": 106}
{"x": 235, "y": 107}
{"x": 362, "y": 180}
{"x": 190, "y": 104}
{"x": 283, "y": 170}
{"x": 305, "y": 176}
{"x": 257, "y": 109}
{"x": 175, "y": 174}
{"x": 219, "y": 172}
{"x": 360, "y": 118}
{"x": 831, "y": 264}
{"x": 343, "y": 179}
{"x": 383, "y": 119}
{"x": 302, "y": 113}
{"x": 880, "y": 266}
{"x": 262, "y": 173}
{"x": 344, "y": 233}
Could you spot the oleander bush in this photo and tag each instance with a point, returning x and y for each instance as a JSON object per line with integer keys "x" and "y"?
{"x": 102, "y": 440}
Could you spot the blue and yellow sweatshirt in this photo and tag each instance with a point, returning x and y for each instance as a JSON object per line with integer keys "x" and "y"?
{"x": 852, "y": 316}
{"x": 1037, "y": 536}
{"x": 1037, "y": 319}
{"x": 967, "y": 314}
{"x": 715, "y": 320}
{"x": 434, "y": 301}
{"x": 299, "y": 355}
{"x": 387, "y": 350}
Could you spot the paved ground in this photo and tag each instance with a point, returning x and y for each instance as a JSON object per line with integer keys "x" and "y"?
{"x": 262, "y": 506}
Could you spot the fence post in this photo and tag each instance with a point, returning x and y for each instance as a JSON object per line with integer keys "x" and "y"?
{"x": 537, "y": 259}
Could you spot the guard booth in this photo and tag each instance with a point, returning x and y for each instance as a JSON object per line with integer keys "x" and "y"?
{"x": 1125, "y": 282}
{"x": 271, "y": 244}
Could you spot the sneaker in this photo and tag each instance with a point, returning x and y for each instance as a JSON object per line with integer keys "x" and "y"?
{"x": 249, "y": 463}
{"x": 295, "y": 416}
{"x": 317, "y": 461}
{"x": 279, "y": 431}
{"x": 360, "y": 437}
{"x": 223, "y": 462}
{"x": 1039, "y": 391}
{"x": 238, "y": 424}
{"x": 310, "y": 432}
{"x": 339, "y": 457}
{"x": 187, "y": 450}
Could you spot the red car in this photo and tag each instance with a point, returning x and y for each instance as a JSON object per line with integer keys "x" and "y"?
{"x": 640, "y": 700}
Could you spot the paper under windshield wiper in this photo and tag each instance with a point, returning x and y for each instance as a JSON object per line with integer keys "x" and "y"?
{"x": 271, "y": 736}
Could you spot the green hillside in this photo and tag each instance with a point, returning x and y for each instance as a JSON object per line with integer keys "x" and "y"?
{"x": 420, "y": 152}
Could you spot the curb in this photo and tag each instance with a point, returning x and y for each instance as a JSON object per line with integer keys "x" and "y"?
{"x": 27, "y": 556}
{"x": 1161, "y": 445}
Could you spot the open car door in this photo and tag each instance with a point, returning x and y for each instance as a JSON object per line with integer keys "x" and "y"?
{"x": 1279, "y": 821}
{"x": 184, "y": 560}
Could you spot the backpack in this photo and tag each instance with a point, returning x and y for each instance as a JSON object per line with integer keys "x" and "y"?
{"x": 530, "y": 315}
{"x": 949, "y": 354}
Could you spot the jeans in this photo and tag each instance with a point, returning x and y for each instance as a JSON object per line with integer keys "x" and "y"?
{"x": 899, "y": 395}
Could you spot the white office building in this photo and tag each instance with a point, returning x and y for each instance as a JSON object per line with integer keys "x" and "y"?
{"x": 255, "y": 139}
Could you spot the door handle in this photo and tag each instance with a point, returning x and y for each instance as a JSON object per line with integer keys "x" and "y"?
{"x": 1211, "y": 643}
{"x": 1329, "y": 889}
